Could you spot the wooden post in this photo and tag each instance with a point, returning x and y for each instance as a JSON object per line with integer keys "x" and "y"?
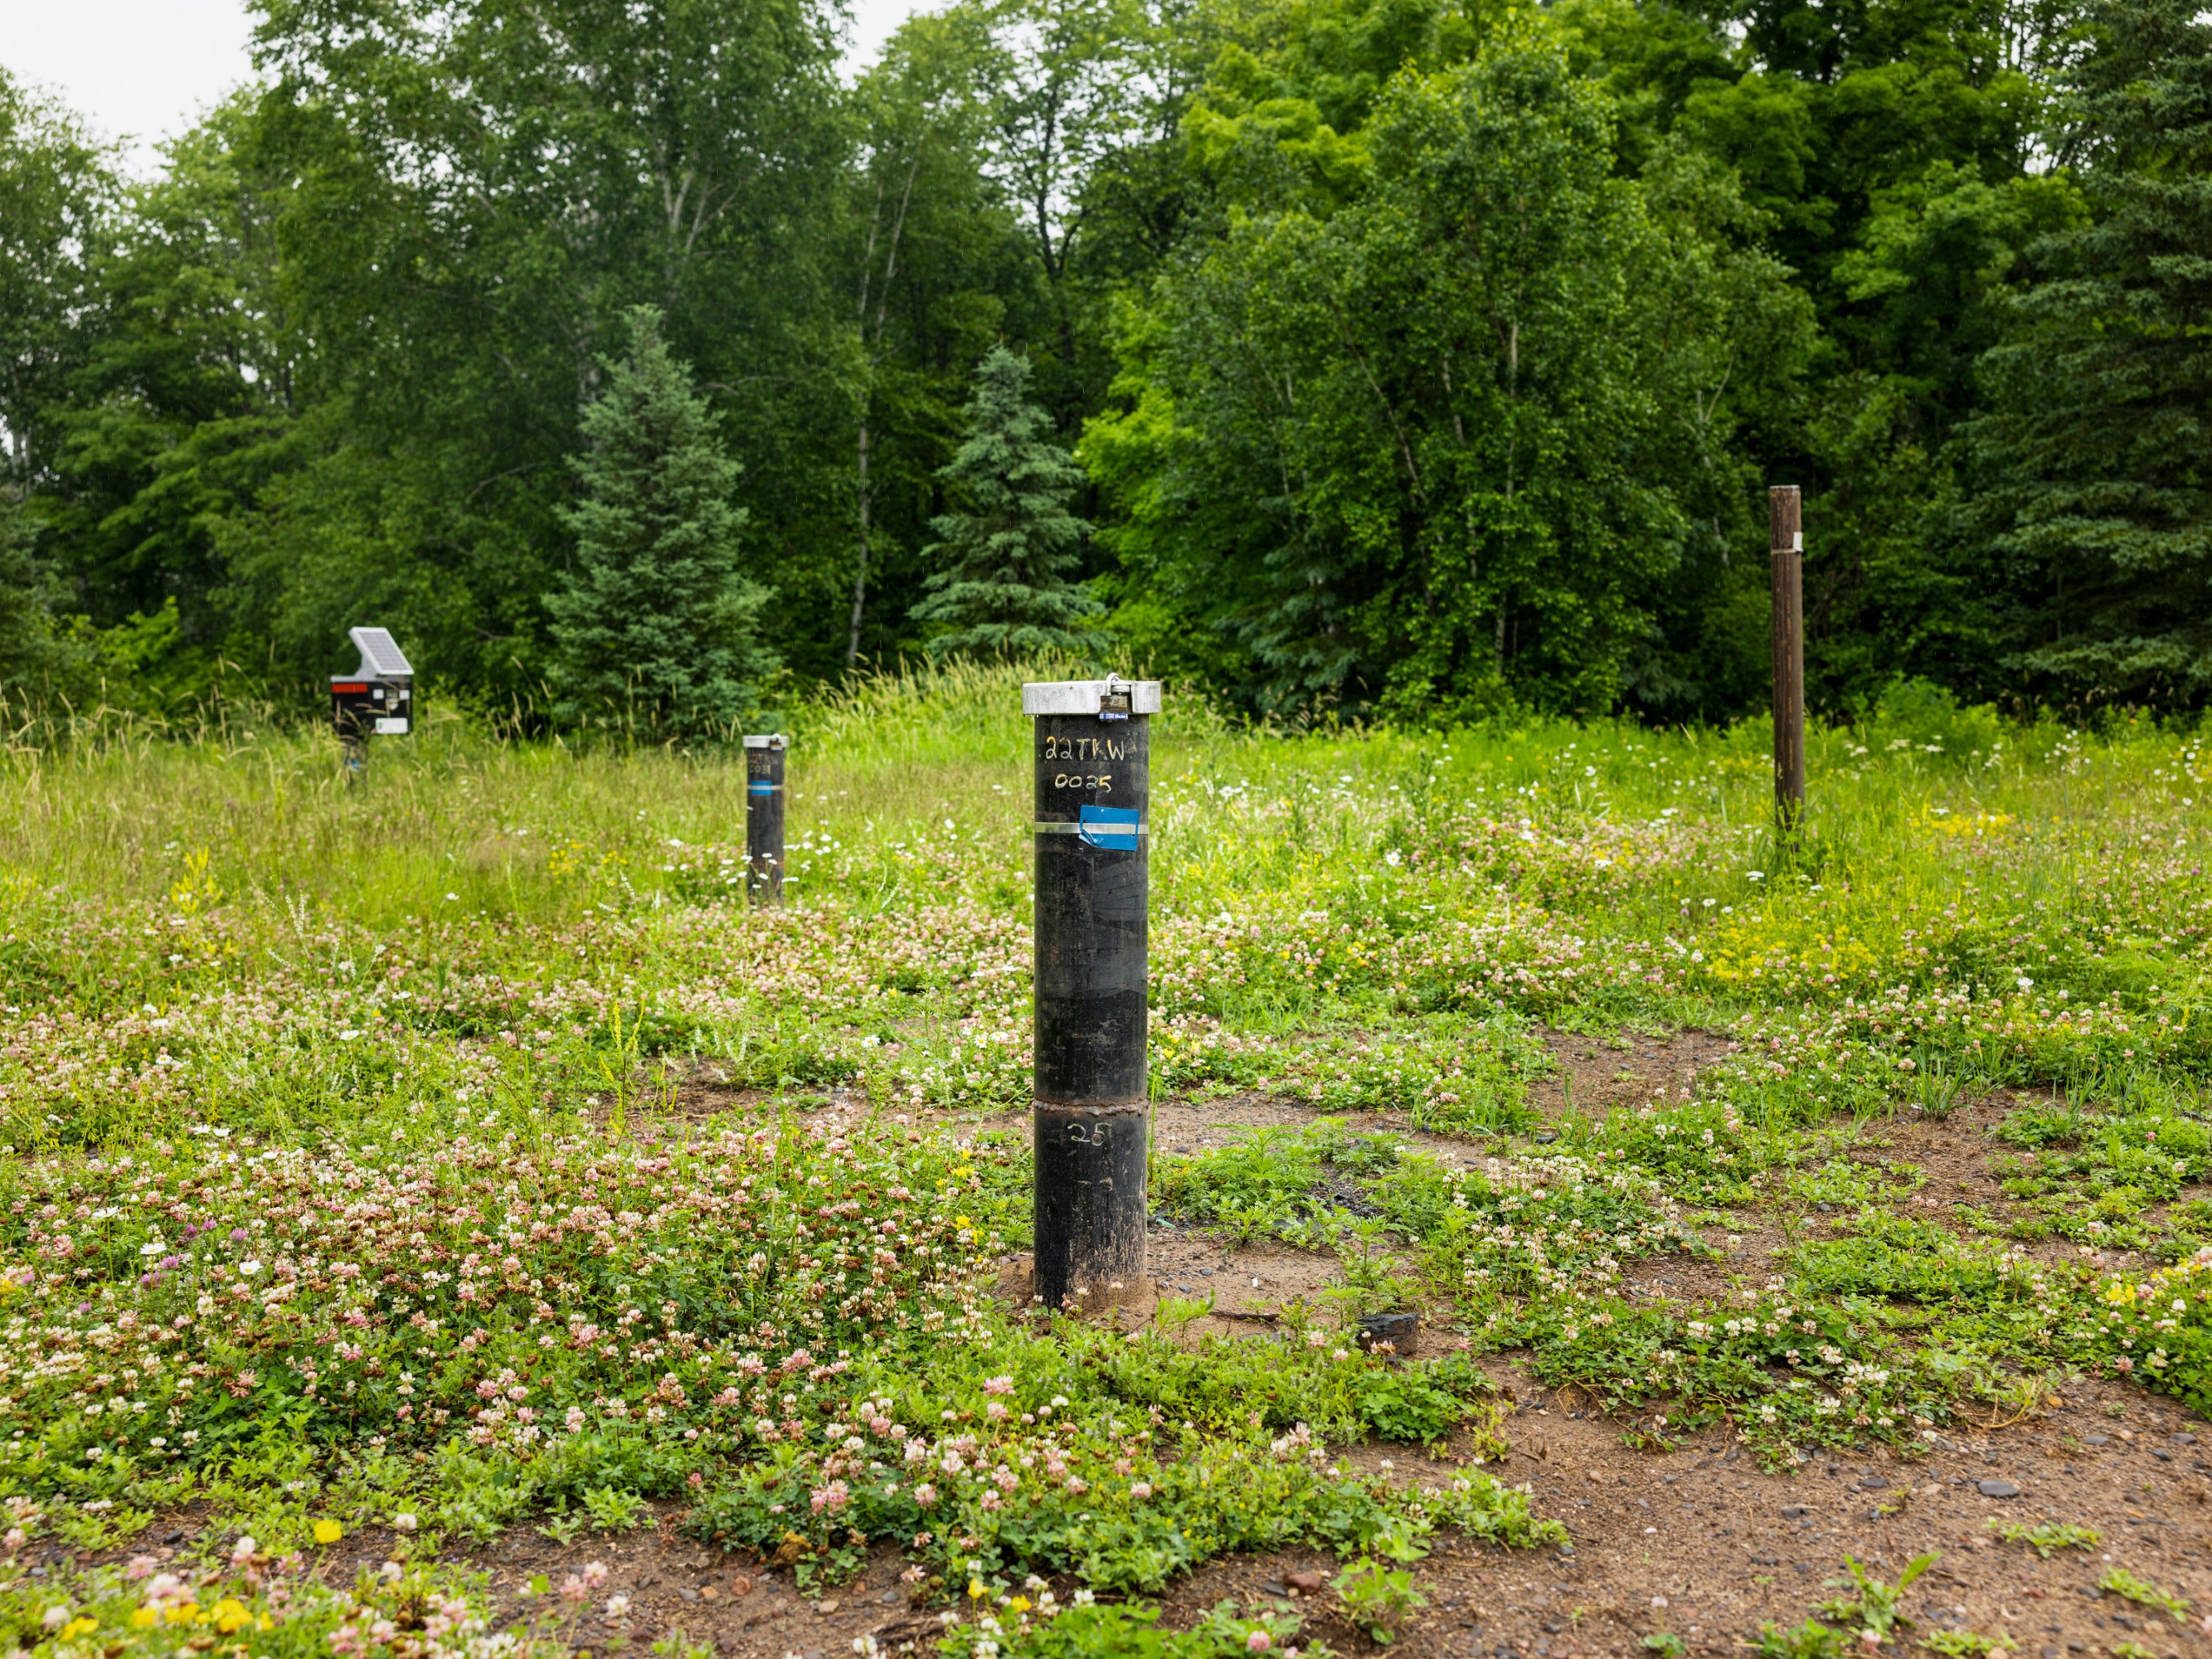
{"x": 1786, "y": 543}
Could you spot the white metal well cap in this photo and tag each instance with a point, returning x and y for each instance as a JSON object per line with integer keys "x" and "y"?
{"x": 769, "y": 740}
{"x": 1082, "y": 697}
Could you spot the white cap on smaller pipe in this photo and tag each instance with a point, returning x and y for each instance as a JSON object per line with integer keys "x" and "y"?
{"x": 1083, "y": 696}
{"x": 773, "y": 740}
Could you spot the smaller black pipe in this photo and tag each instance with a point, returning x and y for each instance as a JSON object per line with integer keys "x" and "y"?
{"x": 764, "y": 818}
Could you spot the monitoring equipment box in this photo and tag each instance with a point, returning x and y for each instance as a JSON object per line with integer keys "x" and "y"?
{"x": 378, "y": 698}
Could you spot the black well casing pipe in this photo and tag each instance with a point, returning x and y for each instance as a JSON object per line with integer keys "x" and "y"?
{"x": 764, "y": 818}
{"x": 1092, "y": 743}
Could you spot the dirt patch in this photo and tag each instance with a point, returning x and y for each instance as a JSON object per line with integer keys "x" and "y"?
{"x": 1592, "y": 1075}
{"x": 1248, "y": 1285}
{"x": 1700, "y": 1542}
{"x": 1187, "y": 1128}
{"x": 1697, "y": 1541}
{"x": 1596, "y": 1074}
{"x": 671, "y": 1096}
{"x": 700, "y": 1099}
{"x": 1961, "y": 1169}
{"x": 675, "y": 1585}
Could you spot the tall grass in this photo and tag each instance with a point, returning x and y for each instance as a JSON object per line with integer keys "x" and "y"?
{"x": 456, "y": 815}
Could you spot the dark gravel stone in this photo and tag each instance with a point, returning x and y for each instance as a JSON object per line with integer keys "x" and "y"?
{"x": 1996, "y": 1489}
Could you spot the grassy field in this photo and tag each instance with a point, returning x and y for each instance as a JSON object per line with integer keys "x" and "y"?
{"x": 456, "y": 1162}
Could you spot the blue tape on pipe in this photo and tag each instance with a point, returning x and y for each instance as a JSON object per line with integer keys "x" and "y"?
{"x": 760, "y": 789}
{"x": 1111, "y": 827}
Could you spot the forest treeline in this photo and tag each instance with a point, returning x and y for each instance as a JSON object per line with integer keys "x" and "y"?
{"x": 1396, "y": 358}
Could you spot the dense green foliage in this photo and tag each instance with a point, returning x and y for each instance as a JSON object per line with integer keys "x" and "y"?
{"x": 35, "y": 657}
{"x": 2096, "y": 487}
{"x": 1419, "y": 360}
{"x": 1435, "y": 447}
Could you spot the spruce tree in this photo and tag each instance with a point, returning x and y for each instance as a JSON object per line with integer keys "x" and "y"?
{"x": 2093, "y": 469}
{"x": 656, "y": 629}
{"x": 998, "y": 586}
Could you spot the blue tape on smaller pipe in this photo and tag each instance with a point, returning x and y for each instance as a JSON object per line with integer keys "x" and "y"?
{"x": 758, "y": 787}
{"x": 1114, "y": 828}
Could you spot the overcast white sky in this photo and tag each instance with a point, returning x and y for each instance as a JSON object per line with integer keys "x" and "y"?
{"x": 147, "y": 68}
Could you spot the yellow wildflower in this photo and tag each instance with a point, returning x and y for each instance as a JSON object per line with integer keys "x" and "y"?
{"x": 328, "y": 1531}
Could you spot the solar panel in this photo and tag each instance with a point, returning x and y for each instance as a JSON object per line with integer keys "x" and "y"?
{"x": 380, "y": 655}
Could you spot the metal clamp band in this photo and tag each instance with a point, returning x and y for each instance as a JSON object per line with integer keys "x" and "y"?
{"x": 1115, "y": 829}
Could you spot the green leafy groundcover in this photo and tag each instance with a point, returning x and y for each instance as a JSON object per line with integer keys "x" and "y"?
{"x": 1086, "y": 1629}
{"x": 790, "y": 1326}
{"x": 249, "y": 1602}
{"x": 452, "y": 1155}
